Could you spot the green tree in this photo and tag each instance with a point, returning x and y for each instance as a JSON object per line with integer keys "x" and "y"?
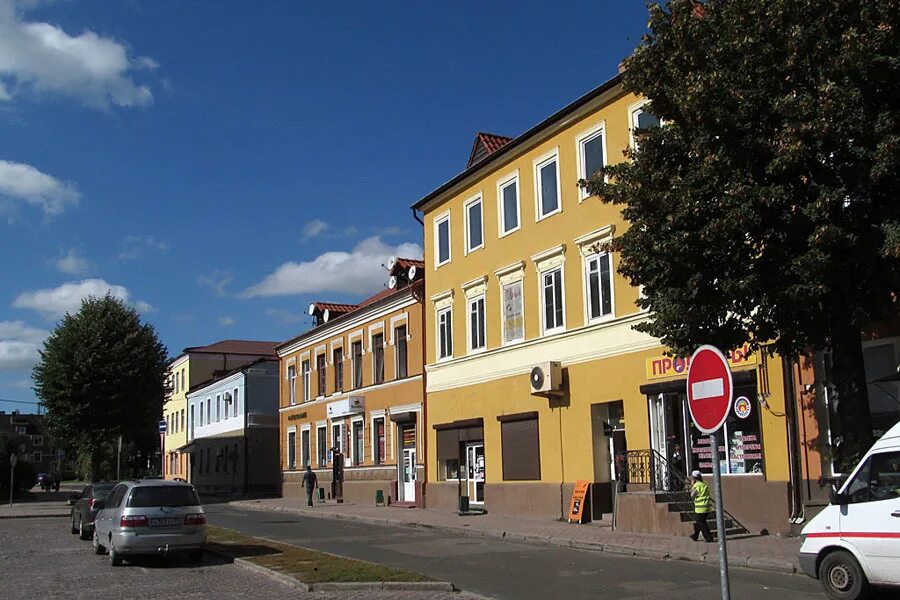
{"x": 102, "y": 374}
{"x": 765, "y": 208}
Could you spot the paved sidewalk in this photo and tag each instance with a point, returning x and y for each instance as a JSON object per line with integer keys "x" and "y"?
{"x": 23, "y": 510}
{"x": 769, "y": 553}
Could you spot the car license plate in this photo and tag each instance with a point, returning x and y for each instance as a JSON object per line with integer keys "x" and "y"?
{"x": 167, "y": 522}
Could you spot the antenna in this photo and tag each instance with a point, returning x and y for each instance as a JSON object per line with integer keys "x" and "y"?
{"x": 392, "y": 282}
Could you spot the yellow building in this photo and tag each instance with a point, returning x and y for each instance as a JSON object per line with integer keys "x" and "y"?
{"x": 517, "y": 278}
{"x": 353, "y": 384}
{"x": 196, "y": 365}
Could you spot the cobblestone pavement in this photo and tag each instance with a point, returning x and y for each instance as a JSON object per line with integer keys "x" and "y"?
{"x": 40, "y": 559}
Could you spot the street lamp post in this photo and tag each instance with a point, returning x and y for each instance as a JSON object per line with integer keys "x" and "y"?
{"x": 13, "y": 459}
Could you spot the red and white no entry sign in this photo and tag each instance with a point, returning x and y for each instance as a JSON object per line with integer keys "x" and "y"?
{"x": 709, "y": 388}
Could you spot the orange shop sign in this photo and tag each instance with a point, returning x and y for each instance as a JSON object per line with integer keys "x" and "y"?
{"x": 659, "y": 367}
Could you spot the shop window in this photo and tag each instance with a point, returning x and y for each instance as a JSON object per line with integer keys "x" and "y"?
{"x": 358, "y": 443}
{"x": 400, "y": 352}
{"x": 304, "y": 448}
{"x": 291, "y": 450}
{"x": 740, "y": 439}
{"x": 379, "y": 431}
{"x": 321, "y": 445}
{"x": 337, "y": 438}
{"x": 521, "y": 447}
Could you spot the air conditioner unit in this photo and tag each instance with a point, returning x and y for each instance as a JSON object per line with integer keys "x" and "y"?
{"x": 546, "y": 378}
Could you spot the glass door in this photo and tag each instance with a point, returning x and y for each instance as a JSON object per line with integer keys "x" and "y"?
{"x": 409, "y": 474}
{"x": 475, "y": 472}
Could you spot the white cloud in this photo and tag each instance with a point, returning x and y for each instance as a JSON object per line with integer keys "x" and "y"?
{"x": 41, "y": 57}
{"x": 355, "y": 272}
{"x": 133, "y": 246}
{"x": 24, "y": 182}
{"x": 217, "y": 281}
{"x": 19, "y": 345}
{"x": 286, "y": 317}
{"x": 53, "y": 303}
{"x": 226, "y": 321}
{"x": 314, "y": 228}
{"x": 73, "y": 264}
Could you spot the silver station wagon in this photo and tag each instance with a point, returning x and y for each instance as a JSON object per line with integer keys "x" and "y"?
{"x": 150, "y": 517}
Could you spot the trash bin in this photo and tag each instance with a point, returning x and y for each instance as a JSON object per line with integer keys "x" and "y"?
{"x": 379, "y": 497}
{"x": 320, "y": 492}
{"x": 463, "y": 504}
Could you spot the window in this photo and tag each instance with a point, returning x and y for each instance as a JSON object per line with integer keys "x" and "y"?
{"x": 591, "y": 155}
{"x": 292, "y": 382}
{"x": 37, "y": 457}
{"x": 208, "y": 411}
{"x": 878, "y": 479}
{"x": 400, "y": 352}
{"x": 321, "y": 445}
{"x": 642, "y": 118}
{"x": 442, "y": 240}
{"x": 521, "y": 447}
{"x": 378, "y": 436}
{"x": 508, "y": 195}
{"x": 182, "y": 379}
{"x": 235, "y": 398}
{"x": 320, "y": 375}
{"x": 356, "y": 348}
{"x": 547, "y": 183}
{"x": 445, "y": 334}
{"x": 337, "y": 437}
{"x": 37, "y": 440}
{"x": 338, "y": 358}
{"x": 218, "y": 407}
{"x": 192, "y": 423}
{"x": 181, "y": 423}
{"x": 474, "y": 225}
{"x": 378, "y": 358}
{"x": 358, "y": 443}
{"x": 476, "y": 323}
{"x": 551, "y": 282}
{"x": 304, "y": 448}
{"x": 598, "y": 278}
{"x": 21, "y": 430}
{"x": 304, "y": 371}
{"x": 513, "y": 313}
{"x": 291, "y": 449}
{"x": 201, "y": 413}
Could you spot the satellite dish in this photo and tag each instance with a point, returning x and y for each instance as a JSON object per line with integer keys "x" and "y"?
{"x": 392, "y": 282}
{"x": 391, "y": 262}
{"x": 325, "y": 315}
{"x": 412, "y": 272}
{"x": 312, "y": 309}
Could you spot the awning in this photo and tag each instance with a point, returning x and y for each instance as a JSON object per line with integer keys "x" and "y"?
{"x": 404, "y": 417}
{"x": 189, "y": 447}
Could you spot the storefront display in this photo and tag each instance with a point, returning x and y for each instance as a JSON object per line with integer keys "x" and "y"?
{"x": 740, "y": 441}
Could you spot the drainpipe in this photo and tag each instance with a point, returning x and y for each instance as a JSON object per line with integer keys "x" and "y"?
{"x": 790, "y": 410}
{"x": 424, "y": 381}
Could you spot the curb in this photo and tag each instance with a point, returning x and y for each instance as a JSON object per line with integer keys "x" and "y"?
{"x": 395, "y": 586}
{"x": 33, "y": 516}
{"x": 255, "y": 568}
{"x": 738, "y": 561}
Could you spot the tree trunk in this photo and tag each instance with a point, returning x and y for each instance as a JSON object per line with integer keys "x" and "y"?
{"x": 848, "y": 376}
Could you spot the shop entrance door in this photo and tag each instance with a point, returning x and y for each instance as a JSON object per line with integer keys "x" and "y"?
{"x": 475, "y": 472}
{"x": 669, "y": 439}
{"x": 409, "y": 475}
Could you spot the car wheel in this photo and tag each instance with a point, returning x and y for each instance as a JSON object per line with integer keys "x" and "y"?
{"x": 842, "y": 577}
{"x": 115, "y": 559}
{"x": 83, "y": 534}
{"x": 98, "y": 547}
{"x": 74, "y": 529}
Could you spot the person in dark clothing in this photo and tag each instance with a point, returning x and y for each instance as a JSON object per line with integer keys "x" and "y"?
{"x": 311, "y": 483}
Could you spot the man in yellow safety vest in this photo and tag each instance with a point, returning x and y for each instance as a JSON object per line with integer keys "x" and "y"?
{"x": 702, "y": 507}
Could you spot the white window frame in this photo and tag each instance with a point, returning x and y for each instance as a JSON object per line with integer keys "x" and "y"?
{"x": 320, "y": 425}
{"x": 354, "y": 460}
{"x": 438, "y": 220}
{"x": 586, "y": 261}
{"x": 37, "y": 440}
{"x": 306, "y": 379}
{"x": 477, "y": 199}
{"x": 37, "y": 456}
{"x": 372, "y": 334}
{"x": 323, "y": 352}
{"x": 501, "y": 221}
{"x": 562, "y": 280}
{"x": 362, "y": 364}
{"x": 308, "y": 430}
{"x": 539, "y": 163}
{"x": 289, "y": 446}
{"x": 469, "y": 317}
{"x": 445, "y": 310}
{"x": 633, "y": 110}
{"x": 292, "y": 382}
{"x": 342, "y": 434}
{"x": 218, "y": 407}
{"x": 373, "y": 439}
{"x": 580, "y": 141}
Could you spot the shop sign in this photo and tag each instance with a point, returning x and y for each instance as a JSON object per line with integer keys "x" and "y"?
{"x": 576, "y": 507}
{"x": 742, "y": 407}
{"x": 354, "y": 405}
{"x": 297, "y": 417}
{"x": 659, "y": 367}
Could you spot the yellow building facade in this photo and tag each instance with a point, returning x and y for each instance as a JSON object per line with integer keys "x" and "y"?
{"x": 353, "y": 384}
{"x": 175, "y": 464}
{"x": 518, "y": 278}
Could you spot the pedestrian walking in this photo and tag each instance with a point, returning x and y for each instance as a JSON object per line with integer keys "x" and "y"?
{"x": 702, "y": 507}
{"x": 311, "y": 483}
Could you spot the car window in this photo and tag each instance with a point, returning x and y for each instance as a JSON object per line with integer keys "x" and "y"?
{"x": 101, "y": 491}
{"x": 877, "y": 479}
{"x": 115, "y": 497}
{"x": 160, "y": 495}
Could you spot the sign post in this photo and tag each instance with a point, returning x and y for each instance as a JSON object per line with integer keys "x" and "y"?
{"x": 119, "y": 460}
{"x": 709, "y": 390}
{"x": 13, "y": 459}
{"x": 163, "y": 426}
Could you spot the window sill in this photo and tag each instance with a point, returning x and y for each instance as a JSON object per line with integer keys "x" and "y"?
{"x": 548, "y": 215}
{"x": 554, "y": 331}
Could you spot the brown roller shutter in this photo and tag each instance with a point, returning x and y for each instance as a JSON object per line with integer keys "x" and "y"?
{"x": 448, "y": 444}
{"x": 521, "y": 450}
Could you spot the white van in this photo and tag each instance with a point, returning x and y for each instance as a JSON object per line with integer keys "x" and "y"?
{"x": 855, "y": 541}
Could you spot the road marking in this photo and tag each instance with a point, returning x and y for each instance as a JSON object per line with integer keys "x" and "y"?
{"x": 710, "y": 388}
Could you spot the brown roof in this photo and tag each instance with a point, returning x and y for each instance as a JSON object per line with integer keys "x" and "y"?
{"x": 250, "y": 347}
{"x": 486, "y": 144}
{"x": 335, "y": 307}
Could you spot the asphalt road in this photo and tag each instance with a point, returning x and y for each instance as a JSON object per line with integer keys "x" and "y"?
{"x": 513, "y": 570}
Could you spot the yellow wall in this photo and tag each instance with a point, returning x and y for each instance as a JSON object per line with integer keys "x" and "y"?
{"x": 176, "y": 403}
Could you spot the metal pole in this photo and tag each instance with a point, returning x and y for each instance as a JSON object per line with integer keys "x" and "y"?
{"x": 13, "y": 459}
{"x": 720, "y": 516}
{"x": 119, "y": 461}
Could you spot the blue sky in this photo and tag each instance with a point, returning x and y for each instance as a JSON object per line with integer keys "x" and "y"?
{"x": 220, "y": 165}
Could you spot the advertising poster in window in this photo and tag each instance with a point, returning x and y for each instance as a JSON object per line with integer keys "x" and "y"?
{"x": 513, "y": 318}
{"x": 740, "y": 441}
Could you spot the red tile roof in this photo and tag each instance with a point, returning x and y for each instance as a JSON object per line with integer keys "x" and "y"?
{"x": 486, "y": 144}
{"x": 335, "y": 307}
{"x": 249, "y": 347}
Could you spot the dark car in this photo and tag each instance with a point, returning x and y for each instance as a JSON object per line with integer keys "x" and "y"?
{"x": 85, "y": 509}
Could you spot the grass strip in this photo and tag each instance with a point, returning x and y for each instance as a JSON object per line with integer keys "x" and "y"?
{"x": 309, "y": 566}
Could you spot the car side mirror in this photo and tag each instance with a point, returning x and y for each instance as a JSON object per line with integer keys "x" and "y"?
{"x": 837, "y": 498}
